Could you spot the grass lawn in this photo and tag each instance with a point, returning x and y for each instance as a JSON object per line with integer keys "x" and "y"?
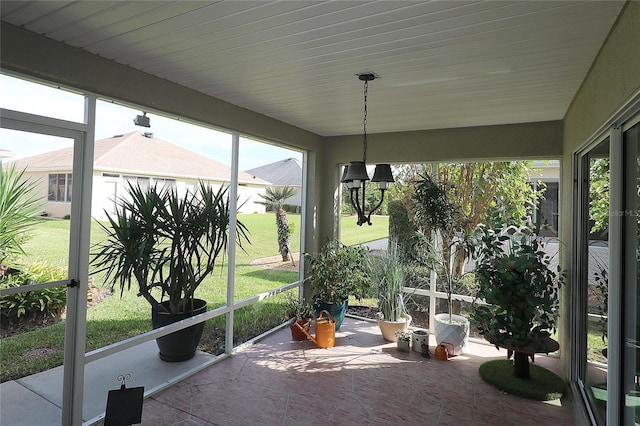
{"x": 117, "y": 318}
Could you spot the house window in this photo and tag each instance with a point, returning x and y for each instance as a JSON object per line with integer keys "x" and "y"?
{"x": 165, "y": 183}
{"x": 60, "y": 187}
{"x": 140, "y": 181}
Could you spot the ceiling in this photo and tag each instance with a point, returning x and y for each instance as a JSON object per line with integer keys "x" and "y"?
{"x": 441, "y": 64}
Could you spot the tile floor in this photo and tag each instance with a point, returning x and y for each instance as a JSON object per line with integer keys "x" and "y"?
{"x": 363, "y": 380}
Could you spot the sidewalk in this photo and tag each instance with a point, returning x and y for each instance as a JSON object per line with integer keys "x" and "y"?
{"x": 37, "y": 399}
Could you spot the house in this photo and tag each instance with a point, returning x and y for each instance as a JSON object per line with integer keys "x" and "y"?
{"x": 460, "y": 81}
{"x": 137, "y": 158}
{"x": 287, "y": 172}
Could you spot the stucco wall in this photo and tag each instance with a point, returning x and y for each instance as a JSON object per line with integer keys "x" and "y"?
{"x": 611, "y": 82}
{"x": 541, "y": 140}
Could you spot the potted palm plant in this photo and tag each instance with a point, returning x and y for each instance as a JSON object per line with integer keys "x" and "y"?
{"x": 167, "y": 244}
{"x": 521, "y": 290}
{"x": 336, "y": 272}
{"x": 388, "y": 273}
{"x": 443, "y": 246}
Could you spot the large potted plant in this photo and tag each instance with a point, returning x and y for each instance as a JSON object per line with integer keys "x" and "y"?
{"x": 168, "y": 244}
{"x": 443, "y": 245}
{"x": 336, "y": 272}
{"x": 520, "y": 286}
{"x": 388, "y": 274}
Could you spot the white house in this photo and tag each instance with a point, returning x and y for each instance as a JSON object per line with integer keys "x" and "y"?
{"x": 134, "y": 157}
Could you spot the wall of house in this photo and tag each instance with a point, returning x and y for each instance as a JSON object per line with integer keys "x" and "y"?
{"x": 612, "y": 80}
{"x": 50, "y": 208}
{"x": 106, "y": 189}
{"x": 542, "y": 140}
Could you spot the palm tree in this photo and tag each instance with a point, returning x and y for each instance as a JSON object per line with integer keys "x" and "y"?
{"x": 274, "y": 200}
{"x": 20, "y": 208}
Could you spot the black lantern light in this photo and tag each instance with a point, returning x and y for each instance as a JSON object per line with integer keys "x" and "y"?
{"x": 355, "y": 175}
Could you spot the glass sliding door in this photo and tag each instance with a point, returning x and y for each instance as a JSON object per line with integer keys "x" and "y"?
{"x": 606, "y": 356}
{"x": 593, "y": 278}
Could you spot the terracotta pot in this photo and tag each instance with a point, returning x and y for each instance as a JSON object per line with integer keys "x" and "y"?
{"x": 296, "y": 333}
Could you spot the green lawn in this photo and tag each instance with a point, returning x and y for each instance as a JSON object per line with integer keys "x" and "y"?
{"x": 117, "y": 318}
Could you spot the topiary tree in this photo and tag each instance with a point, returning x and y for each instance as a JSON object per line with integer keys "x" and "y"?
{"x": 521, "y": 289}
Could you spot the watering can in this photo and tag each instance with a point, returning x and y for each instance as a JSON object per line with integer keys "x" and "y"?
{"x": 325, "y": 331}
{"x": 442, "y": 352}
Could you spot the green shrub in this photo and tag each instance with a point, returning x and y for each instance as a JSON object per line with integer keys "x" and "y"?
{"x": 30, "y": 304}
{"x": 401, "y": 229}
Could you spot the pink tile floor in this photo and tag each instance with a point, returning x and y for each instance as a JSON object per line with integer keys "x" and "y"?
{"x": 363, "y": 380}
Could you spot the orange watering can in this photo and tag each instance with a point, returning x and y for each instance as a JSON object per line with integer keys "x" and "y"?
{"x": 325, "y": 331}
{"x": 442, "y": 353}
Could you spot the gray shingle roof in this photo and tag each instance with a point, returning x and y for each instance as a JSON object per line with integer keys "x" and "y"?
{"x": 138, "y": 154}
{"x": 283, "y": 172}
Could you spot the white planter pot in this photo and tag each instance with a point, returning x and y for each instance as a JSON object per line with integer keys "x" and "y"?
{"x": 388, "y": 328}
{"x": 418, "y": 337}
{"x": 455, "y": 334}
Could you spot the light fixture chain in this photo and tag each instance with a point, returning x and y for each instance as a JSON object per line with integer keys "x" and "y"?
{"x": 364, "y": 122}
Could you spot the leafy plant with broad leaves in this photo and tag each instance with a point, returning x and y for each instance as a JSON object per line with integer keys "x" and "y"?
{"x": 338, "y": 271}
{"x": 519, "y": 285}
{"x": 165, "y": 241}
{"x": 38, "y": 303}
{"x": 20, "y": 208}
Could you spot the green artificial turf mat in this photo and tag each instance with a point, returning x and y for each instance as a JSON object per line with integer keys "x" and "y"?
{"x": 543, "y": 385}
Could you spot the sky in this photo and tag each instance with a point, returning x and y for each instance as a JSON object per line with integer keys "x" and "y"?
{"x": 114, "y": 119}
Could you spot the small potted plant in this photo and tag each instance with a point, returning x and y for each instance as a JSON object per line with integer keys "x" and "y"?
{"x": 521, "y": 290}
{"x": 388, "y": 273}
{"x": 336, "y": 272}
{"x": 403, "y": 340}
{"x": 298, "y": 311}
{"x": 420, "y": 337}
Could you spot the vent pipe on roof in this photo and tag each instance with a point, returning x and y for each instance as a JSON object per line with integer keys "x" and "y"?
{"x": 147, "y": 135}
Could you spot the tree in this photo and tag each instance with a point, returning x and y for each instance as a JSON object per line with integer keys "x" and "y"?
{"x": 19, "y": 210}
{"x": 521, "y": 288}
{"x": 490, "y": 193}
{"x": 454, "y": 198}
{"x": 373, "y": 196}
{"x": 274, "y": 200}
{"x": 500, "y": 191}
{"x": 599, "y": 175}
{"x": 402, "y": 190}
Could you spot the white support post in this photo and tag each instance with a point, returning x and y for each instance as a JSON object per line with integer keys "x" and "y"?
{"x": 233, "y": 232}
{"x": 79, "y": 246}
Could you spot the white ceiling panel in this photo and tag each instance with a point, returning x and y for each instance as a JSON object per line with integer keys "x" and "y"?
{"x": 442, "y": 64}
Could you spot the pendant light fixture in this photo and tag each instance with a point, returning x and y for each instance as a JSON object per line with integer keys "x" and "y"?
{"x": 355, "y": 175}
